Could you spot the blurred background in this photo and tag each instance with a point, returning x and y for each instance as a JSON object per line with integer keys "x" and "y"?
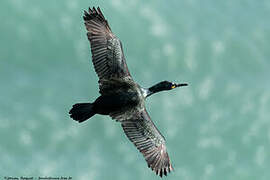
{"x": 216, "y": 128}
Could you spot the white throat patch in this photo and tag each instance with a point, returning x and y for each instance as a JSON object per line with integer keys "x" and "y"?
{"x": 145, "y": 92}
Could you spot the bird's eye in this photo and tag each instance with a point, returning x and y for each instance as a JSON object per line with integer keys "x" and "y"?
{"x": 173, "y": 86}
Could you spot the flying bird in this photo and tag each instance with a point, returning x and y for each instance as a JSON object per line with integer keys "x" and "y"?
{"x": 120, "y": 96}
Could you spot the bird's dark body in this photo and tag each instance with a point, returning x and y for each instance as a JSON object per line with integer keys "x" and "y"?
{"x": 106, "y": 104}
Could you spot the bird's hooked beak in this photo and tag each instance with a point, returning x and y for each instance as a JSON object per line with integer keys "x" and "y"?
{"x": 183, "y": 84}
{"x": 178, "y": 85}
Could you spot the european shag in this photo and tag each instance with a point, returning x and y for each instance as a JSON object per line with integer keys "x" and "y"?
{"x": 121, "y": 97}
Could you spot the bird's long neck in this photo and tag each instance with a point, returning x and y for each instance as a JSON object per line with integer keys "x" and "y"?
{"x": 154, "y": 89}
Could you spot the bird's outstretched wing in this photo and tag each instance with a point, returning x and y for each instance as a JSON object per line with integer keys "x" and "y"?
{"x": 107, "y": 53}
{"x": 146, "y": 137}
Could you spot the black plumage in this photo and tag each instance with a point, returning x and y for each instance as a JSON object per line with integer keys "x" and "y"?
{"x": 121, "y": 97}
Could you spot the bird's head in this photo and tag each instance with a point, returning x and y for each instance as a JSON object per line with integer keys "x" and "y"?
{"x": 165, "y": 85}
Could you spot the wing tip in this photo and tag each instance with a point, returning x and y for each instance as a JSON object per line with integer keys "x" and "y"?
{"x": 158, "y": 160}
{"x": 164, "y": 171}
{"x": 93, "y": 13}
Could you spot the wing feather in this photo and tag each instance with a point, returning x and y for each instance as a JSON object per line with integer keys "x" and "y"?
{"x": 142, "y": 132}
{"x": 107, "y": 53}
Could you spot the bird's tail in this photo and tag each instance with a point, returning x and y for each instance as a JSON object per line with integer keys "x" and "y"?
{"x": 82, "y": 111}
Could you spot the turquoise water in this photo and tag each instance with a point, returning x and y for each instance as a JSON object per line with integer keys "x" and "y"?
{"x": 216, "y": 128}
